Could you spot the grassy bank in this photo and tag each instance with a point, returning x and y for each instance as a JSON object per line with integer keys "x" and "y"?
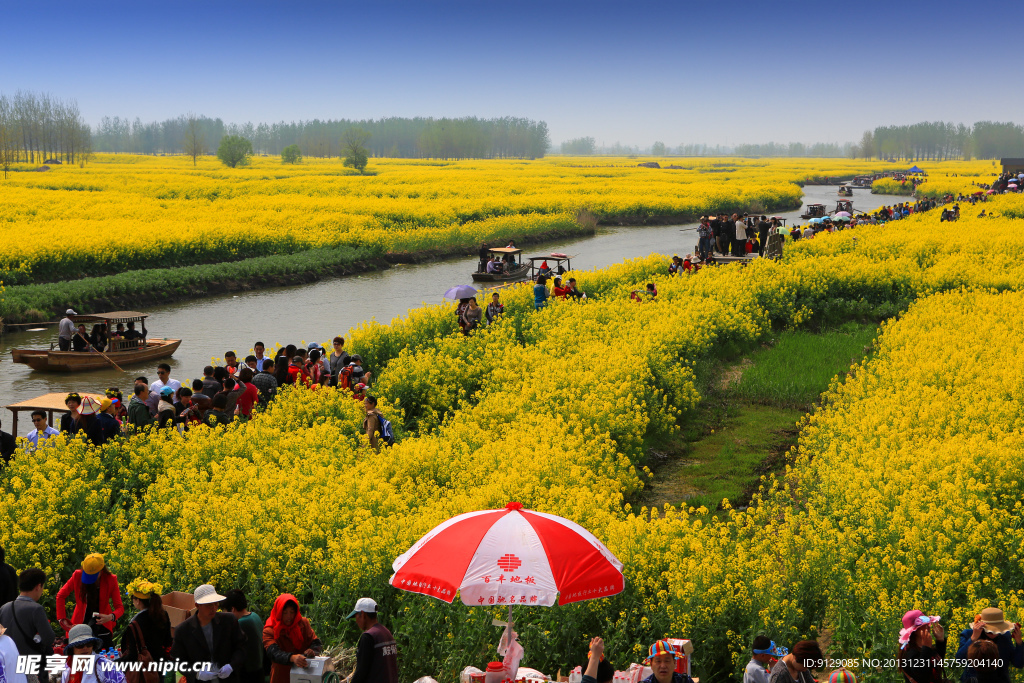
{"x": 152, "y": 286}
{"x": 137, "y": 288}
{"x": 747, "y": 423}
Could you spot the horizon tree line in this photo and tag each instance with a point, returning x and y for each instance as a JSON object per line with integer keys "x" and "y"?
{"x": 41, "y": 128}
{"x": 417, "y": 138}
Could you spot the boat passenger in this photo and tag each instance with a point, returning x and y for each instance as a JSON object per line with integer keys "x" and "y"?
{"x": 80, "y": 342}
{"x": 545, "y": 269}
{"x": 131, "y": 334}
{"x": 98, "y": 337}
{"x": 492, "y": 267}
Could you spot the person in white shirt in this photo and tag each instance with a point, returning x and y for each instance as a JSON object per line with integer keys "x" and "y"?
{"x": 42, "y": 430}
{"x": 66, "y": 331}
{"x": 259, "y": 348}
{"x": 9, "y": 660}
{"x": 163, "y": 372}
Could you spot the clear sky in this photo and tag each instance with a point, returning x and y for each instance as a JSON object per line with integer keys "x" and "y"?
{"x": 631, "y": 72}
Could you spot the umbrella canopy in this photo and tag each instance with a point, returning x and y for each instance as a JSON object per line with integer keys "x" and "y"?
{"x": 509, "y": 557}
{"x": 844, "y": 214}
{"x": 915, "y": 169}
{"x": 991, "y": 192}
{"x": 460, "y": 292}
{"x": 816, "y": 220}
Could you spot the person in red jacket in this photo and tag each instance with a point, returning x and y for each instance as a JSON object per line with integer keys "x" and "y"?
{"x": 97, "y": 599}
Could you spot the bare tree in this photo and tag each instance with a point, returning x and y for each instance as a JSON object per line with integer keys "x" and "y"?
{"x": 194, "y": 143}
{"x": 8, "y": 143}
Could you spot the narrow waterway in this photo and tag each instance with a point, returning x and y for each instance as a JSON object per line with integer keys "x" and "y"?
{"x": 318, "y": 312}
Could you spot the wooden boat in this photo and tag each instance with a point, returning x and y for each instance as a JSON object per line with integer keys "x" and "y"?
{"x": 555, "y": 270}
{"x": 813, "y": 211}
{"x": 517, "y": 269}
{"x": 843, "y": 205}
{"x": 845, "y": 191}
{"x": 120, "y": 351}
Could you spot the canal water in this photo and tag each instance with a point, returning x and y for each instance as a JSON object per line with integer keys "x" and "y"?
{"x": 319, "y": 311}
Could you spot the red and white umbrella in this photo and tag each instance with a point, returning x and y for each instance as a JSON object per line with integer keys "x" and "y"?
{"x": 509, "y": 557}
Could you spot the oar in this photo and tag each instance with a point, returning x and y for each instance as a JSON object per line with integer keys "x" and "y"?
{"x": 105, "y": 356}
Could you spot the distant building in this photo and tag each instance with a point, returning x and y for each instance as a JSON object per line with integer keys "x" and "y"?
{"x": 1014, "y": 165}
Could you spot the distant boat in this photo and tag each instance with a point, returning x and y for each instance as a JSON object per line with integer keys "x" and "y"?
{"x": 813, "y": 211}
{"x": 120, "y": 351}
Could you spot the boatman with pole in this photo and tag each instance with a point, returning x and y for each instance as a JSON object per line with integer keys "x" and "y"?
{"x": 377, "y": 652}
{"x": 66, "y": 331}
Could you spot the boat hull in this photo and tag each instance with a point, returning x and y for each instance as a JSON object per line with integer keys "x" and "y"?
{"x": 75, "y": 361}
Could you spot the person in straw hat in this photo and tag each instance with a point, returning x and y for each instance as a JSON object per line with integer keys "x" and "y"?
{"x": 661, "y": 657}
{"x": 82, "y": 643}
{"x": 149, "y": 631}
{"x": 991, "y": 625}
{"x": 97, "y": 599}
{"x": 212, "y": 637}
{"x": 922, "y": 648}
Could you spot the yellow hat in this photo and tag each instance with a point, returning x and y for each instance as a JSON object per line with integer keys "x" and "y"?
{"x": 93, "y": 564}
{"x": 142, "y": 589}
{"x": 105, "y": 404}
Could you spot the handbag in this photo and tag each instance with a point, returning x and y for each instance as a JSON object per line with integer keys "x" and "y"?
{"x": 144, "y": 656}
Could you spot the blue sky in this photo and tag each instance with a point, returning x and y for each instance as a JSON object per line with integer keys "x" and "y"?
{"x": 632, "y": 72}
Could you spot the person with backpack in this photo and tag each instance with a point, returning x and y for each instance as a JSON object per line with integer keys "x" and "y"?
{"x": 337, "y": 360}
{"x": 25, "y": 619}
{"x": 375, "y": 422}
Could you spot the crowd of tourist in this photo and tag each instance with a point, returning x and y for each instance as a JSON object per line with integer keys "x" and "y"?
{"x": 226, "y": 393}
{"x": 743, "y": 235}
{"x": 221, "y": 640}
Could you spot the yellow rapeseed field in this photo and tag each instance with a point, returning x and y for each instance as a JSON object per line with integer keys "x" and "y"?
{"x": 124, "y": 212}
{"x": 902, "y": 493}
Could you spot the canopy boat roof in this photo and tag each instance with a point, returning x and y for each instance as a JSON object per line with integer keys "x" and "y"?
{"x": 112, "y": 317}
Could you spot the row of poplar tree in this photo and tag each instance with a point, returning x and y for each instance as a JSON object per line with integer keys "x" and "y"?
{"x": 40, "y": 129}
{"x": 462, "y": 138}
